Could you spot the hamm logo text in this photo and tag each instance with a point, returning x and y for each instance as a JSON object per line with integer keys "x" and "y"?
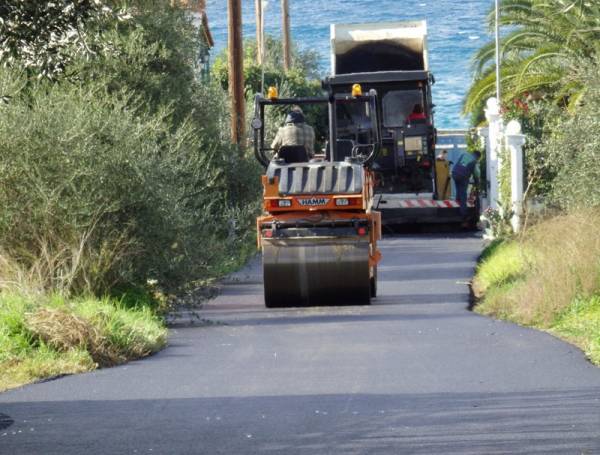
{"x": 313, "y": 201}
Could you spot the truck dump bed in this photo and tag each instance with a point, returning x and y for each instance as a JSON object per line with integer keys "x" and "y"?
{"x": 388, "y": 46}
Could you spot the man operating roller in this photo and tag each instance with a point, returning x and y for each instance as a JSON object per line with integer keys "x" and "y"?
{"x": 295, "y": 132}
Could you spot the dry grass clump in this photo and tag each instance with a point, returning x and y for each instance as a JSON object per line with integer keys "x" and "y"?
{"x": 565, "y": 258}
{"x": 64, "y": 331}
{"x": 61, "y": 330}
{"x": 132, "y": 333}
{"x": 69, "y": 263}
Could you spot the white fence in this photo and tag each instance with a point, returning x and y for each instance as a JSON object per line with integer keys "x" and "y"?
{"x": 498, "y": 138}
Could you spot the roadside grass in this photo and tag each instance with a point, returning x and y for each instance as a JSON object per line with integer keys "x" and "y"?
{"x": 506, "y": 264}
{"x": 581, "y": 326}
{"x": 42, "y": 337}
{"x": 43, "y": 363}
{"x": 45, "y": 335}
{"x": 548, "y": 279}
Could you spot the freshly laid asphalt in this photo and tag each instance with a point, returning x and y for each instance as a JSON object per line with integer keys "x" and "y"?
{"x": 415, "y": 373}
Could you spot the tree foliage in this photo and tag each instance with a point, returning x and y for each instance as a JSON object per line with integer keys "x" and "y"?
{"x": 544, "y": 43}
{"x": 116, "y": 167}
{"x": 45, "y": 36}
{"x": 550, "y": 66}
{"x": 153, "y": 55}
{"x": 301, "y": 80}
{"x": 572, "y": 148}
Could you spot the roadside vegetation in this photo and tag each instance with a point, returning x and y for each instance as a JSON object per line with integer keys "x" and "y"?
{"x": 46, "y": 336}
{"x": 120, "y": 188}
{"x": 549, "y": 276}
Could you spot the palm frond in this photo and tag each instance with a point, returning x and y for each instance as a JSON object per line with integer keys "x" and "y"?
{"x": 544, "y": 37}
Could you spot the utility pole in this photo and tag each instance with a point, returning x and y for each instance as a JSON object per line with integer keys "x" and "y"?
{"x": 498, "y": 57}
{"x": 259, "y": 30}
{"x": 236, "y": 71}
{"x": 287, "y": 47}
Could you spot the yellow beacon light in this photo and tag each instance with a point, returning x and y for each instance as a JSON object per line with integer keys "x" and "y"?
{"x": 356, "y": 90}
{"x": 272, "y": 93}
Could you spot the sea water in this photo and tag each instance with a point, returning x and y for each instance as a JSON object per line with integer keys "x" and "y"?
{"x": 456, "y": 30}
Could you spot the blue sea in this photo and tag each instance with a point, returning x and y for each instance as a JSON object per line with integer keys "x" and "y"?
{"x": 456, "y": 30}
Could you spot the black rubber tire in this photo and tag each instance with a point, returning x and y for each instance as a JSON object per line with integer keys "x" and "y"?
{"x": 269, "y": 304}
{"x": 374, "y": 283}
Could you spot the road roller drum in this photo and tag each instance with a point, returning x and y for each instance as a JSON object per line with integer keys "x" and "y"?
{"x": 316, "y": 271}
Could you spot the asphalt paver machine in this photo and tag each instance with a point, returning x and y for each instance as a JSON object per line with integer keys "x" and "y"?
{"x": 412, "y": 185}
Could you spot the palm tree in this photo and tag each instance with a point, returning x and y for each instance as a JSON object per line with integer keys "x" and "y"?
{"x": 545, "y": 42}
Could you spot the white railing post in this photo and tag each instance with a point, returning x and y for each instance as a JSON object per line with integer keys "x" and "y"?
{"x": 484, "y": 135}
{"x": 494, "y": 118}
{"x": 514, "y": 142}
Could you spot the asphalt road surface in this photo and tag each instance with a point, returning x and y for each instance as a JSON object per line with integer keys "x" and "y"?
{"x": 415, "y": 373}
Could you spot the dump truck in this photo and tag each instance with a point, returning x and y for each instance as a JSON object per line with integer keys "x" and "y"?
{"x": 411, "y": 185}
{"x": 318, "y": 232}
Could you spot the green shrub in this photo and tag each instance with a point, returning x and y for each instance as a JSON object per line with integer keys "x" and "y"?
{"x": 568, "y": 152}
{"x": 121, "y": 170}
{"x": 154, "y": 57}
{"x": 101, "y": 193}
{"x": 302, "y": 79}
